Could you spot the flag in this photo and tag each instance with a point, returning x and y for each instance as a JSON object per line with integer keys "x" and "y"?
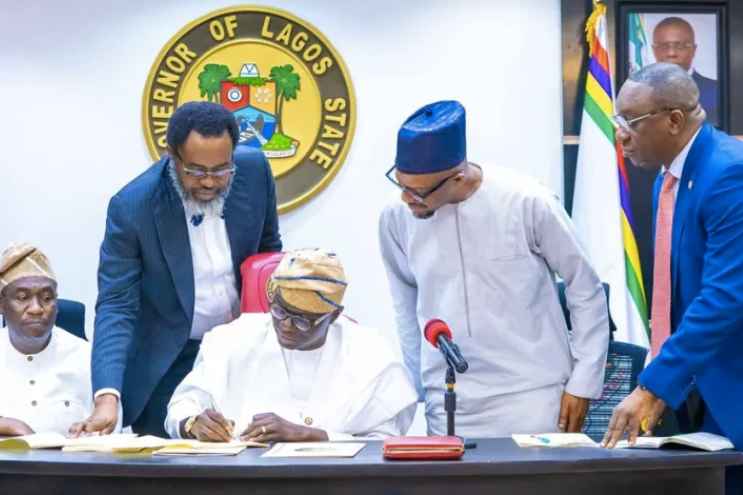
{"x": 601, "y": 202}
{"x": 638, "y": 42}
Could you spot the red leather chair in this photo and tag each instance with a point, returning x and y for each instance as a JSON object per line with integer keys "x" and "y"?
{"x": 256, "y": 271}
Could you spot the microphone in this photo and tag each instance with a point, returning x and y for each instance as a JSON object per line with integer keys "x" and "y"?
{"x": 439, "y": 335}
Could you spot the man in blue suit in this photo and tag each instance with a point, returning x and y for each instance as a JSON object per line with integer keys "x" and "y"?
{"x": 674, "y": 42}
{"x": 697, "y": 316}
{"x": 169, "y": 263}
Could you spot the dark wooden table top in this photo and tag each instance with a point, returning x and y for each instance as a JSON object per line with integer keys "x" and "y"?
{"x": 492, "y": 457}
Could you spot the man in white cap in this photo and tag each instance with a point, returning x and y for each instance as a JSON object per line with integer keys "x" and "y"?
{"x": 298, "y": 373}
{"x": 45, "y": 370}
{"x": 479, "y": 248}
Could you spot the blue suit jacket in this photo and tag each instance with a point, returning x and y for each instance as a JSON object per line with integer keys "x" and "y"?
{"x": 707, "y": 282}
{"x": 145, "y": 277}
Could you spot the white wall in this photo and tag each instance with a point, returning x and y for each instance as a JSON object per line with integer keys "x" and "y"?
{"x": 73, "y": 73}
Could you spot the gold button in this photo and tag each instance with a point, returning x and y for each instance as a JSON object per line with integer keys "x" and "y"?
{"x": 308, "y": 420}
{"x": 30, "y": 358}
{"x": 32, "y": 382}
{"x": 33, "y": 403}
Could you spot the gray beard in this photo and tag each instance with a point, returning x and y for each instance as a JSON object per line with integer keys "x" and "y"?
{"x": 215, "y": 207}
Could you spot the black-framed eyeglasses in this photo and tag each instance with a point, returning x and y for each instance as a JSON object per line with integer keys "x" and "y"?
{"x": 301, "y": 323}
{"x": 418, "y": 196}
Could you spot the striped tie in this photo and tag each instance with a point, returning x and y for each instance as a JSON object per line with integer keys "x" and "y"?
{"x": 660, "y": 315}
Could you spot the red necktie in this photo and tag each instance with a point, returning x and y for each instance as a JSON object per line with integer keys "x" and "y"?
{"x": 660, "y": 314}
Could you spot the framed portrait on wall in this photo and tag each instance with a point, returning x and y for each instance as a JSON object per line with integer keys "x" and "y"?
{"x": 690, "y": 35}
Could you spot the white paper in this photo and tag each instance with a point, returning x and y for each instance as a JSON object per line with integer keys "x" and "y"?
{"x": 315, "y": 449}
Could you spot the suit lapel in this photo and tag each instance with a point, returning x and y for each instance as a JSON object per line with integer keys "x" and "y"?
{"x": 685, "y": 196}
{"x": 170, "y": 220}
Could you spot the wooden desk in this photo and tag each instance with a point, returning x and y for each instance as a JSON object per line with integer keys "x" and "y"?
{"x": 495, "y": 467}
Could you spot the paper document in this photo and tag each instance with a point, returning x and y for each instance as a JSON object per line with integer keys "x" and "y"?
{"x": 157, "y": 445}
{"x": 315, "y": 449}
{"x": 194, "y": 447}
{"x": 55, "y": 440}
{"x": 122, "y": 444}
{"x": 700, "y": 440}
{"x": 34, "y": 441}
{"x": 554, "y": 440}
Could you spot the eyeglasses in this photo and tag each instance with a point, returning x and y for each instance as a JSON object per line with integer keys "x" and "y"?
{"x": 301, "y": 323}
{"x": 674, "y": 45}
{"x": 198, "y": 173}
{"x": 628, "y": 125}
{"x": 420, "y": 197}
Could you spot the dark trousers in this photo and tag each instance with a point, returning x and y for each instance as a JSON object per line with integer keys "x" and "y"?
{"x": 733, "y": 474}
{"x": 152, "y": 419}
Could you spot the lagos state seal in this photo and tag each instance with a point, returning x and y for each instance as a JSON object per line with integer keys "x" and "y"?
{"x": 286, "y": 85}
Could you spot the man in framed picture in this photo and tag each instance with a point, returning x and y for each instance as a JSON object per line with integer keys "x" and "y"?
{"x": 674, "y": 42}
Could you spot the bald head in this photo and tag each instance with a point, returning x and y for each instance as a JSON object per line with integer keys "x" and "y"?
{"x": 672, "y": 87}
{"x": 673, "y": 42}
{"x": 674, "y": 23}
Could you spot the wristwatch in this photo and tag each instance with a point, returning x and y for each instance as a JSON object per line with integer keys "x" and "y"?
{"x": 189, "y": 425}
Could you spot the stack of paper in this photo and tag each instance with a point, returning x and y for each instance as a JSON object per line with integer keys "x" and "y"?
{"x": 554, "y": 440}
{"x": 125, "y": 444}
{"x": 34, "y": 441}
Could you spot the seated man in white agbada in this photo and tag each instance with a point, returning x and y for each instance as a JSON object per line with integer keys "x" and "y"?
{"x": 297, "y": 374}
{"x": 45, "y": 370}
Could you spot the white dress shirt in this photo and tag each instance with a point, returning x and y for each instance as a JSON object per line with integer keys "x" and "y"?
{"x": 50, "y": 390}
{"x": 677, "y": 165}
{"x": 354, "y": 385}
{"x": 486, "y": 266}
{"x": 216, "y": 298}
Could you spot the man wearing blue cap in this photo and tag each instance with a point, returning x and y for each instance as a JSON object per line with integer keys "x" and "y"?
{"x": 479, "y": 249}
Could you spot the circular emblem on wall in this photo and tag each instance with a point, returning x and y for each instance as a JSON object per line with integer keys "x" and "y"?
{"x": 287, "y": 86}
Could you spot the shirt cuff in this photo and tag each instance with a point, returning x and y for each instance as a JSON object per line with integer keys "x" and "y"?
{"x": 104, "y": 391}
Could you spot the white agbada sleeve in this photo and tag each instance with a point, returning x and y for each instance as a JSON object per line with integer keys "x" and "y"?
{"x": 553, "y": 238}
{"x": 404, "y": 296}
{"x": 192, "y": 396}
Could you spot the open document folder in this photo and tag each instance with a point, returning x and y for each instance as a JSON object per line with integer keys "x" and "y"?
{"x": 315, "y": 449}
{"x": 126, "y": 443}
{"x": 701, "y": 440}
{"x": 56, "y": 441}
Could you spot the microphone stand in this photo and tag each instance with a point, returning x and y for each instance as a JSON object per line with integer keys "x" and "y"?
{"x": 450, "y": 405}
{"x": 450, "y": 399}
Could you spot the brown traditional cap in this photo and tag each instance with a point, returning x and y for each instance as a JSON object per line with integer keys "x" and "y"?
{"x": 310, "y": 280}
{"x": 23, "y": 260}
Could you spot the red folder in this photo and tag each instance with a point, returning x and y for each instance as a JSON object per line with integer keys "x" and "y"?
{"x": 423, "y": 448}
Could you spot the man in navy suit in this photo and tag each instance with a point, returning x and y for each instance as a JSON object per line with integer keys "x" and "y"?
{"x": 697, "y": 315}
{"x": 169, "y": 263}
{"x": 674, "y": 42}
